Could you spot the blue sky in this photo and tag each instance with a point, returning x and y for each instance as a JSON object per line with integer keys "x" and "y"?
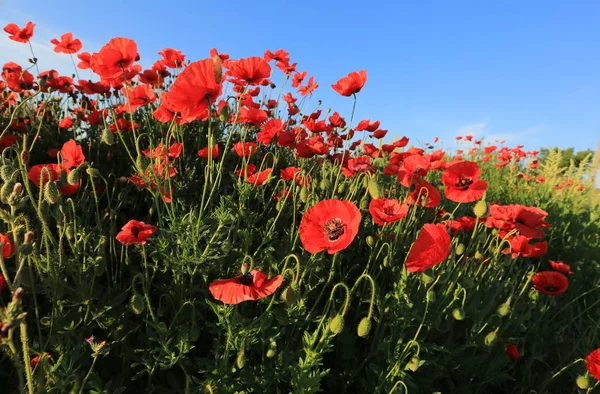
{"x": 524, "y": 71}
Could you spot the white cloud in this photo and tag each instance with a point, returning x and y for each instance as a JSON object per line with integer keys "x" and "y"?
{"x": 11, "y": 51}
{"x": 480, "y": 131}
{"x": 474, "y": 129}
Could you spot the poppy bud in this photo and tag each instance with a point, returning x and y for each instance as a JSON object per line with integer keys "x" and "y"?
{"x": 458, "y": 314}
{"x": 370, "y": 241}
{"x": 73, "y": 177}
{"x": 6, "y": 172}
{"x": 245, "y": 267}
{"x": 7, "y": 189}
{"x": 108, "y": 137}
{"x": 141, "y": 163}
{"x": 18, "y": 294}
{"x": 137, "y": 304}
{"x": 341, "y": 188}
{"x": 99, "y": 266}
{"x": 414, "y": 363}
{"x": 427, "y": 279}
{"x": 241, "y": 358}
{"x": 504, "y": 309}
{"x": 93, "y": 172}
{"x": 583, "y": 382}
{"x": 364, "y": 203}
{"x": 291, "y": 294}
{"x": 460, "y": 249}
{"x": 271, "y": 353}
{"x": 373, "y": 189}
{"x": 364, "y": 327}
{"x": 324, "y": 184}
{"x": 70, "y": 232}
{"x": 478, "y": 255}
{"x": 490, "y": 338}
{"x": 431, "y": 296}
{"x": 304, "y": 194}
{"x": 481, "y": 209}
{"x": 337, "y": 324}
{"x": 51, "y": 192}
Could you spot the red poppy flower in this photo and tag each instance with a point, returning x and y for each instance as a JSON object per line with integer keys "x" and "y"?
{"x": 329, "y": 225}
{"x": 250, "y": 287}
{"x": 7, "y": 249}
{"x": 85, "y": 58}
{"x": 35, "y": 360}
{"x": 462, "y": 182}
{"x": 414, "y": 168}
{"x": 592, "y": 362}
{"x": 520, "y": 245}
{"x": 550, "y": 283}
{"x": 138, "y": 97}
{"x": 204, "y": 152}
{"x": 425, "y": 195}
{"x": 351, "y": 84}
{"x": 259, "y": 178}
{"x": 251, "y": 71}
{"x": 305, "y": 90}
{"x": 67, "y": 44}
{"x": 20, "y": 35}
{"x": 66, "y": 123}
{"x": 194, "y": 90}
{"x": 72, "y": 154}
{"x": 244, "y": 149}
{"x": 561, "y": 267}
{"x": 135, "y": 233}
{"x": 269, "y": 131}
{"x": 172, "y": 58}
{"x": 512, "y": 351}
{"x": 289, "y": 173}
{"x": 385, "y": 210}
{"x": 431, "y": 247}
{"x": 42, "y": 173}
{"x": 114, "y": 58}
{"x": 3, "y": 285}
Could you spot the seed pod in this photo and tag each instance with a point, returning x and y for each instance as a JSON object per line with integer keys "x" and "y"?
{"x": 373, "y": 188}
{"x": 73, "y": 177}
{"x": 458, "y": 314}
{"x": 304, "y": 194}
{"x": 583, "y": 382}
{"x": 364, "y": 327}
{"x": 370, "y": 241}
{"x": 51, "y": 192}
{"x": 481, "y": 209}
{"x": 337, "y": 324}
{"x": 108, "y": 137}
{"x": 504, "y": 309}
{"x": 460, "y": 249}
{"x": 137, "y": 304}
{"x": 490, "y": 338}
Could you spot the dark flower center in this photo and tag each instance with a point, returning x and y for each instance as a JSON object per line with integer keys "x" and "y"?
{"x": 135, "y": 231}
{"x": 247, "y": 279}
{"x": 334, "y": 229}
{"x": 464, "y": 183}
{"x": 551, "y": 288}
{"x": 388, "y": 210}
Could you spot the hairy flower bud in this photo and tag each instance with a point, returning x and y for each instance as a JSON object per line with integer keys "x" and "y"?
{"x": 583, "y": 382}
{"x": 490, "y": 338}
{"x": 458, "y": 314}
{"x": 137, "y": 304}
{"x": 481, "y": 209}
{"x": 364, "y": 327}
{"x": 108, "y": 137}
{"x": 51, "y": 192}
{"x": 373, "y": 188}
{"x": 336, "y": 325}
{"x": 460, "y": 249}
{"x": 73, "y": 177}
{"x": 504, "y": 309}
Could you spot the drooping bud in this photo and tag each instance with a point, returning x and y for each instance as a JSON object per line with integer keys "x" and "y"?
{"x": 108, "y": 137}
{"x": 460, "y": 249}
{"x": 245, "y": 267}
{"x": 481, "y": 209}
{"x": 431, "y": 296}
{"x": 93, "y": 172}
{"x": 458, "y": 314}
{"x": 364, "y": 327}
{"x": 504, "y": 309}
{"x": 373, "y": 188}
{"x": 364, "y": 203}
{"x": 291, "y": 294}
{"x": 414, "y": 363}
{"x": 336, "y": 325}
{"x": 370, "y": 241}
{"x": 324, "y": 184}
{"x": 583, "y": 382}
{"x": 241, "y": 358}
{"x": 490, "y": 338}
{"x": 304, "y": 194}
{"x": 137, "y": 304}
{"x": 6, "y": 172}
{"x": 73, "y": 177}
